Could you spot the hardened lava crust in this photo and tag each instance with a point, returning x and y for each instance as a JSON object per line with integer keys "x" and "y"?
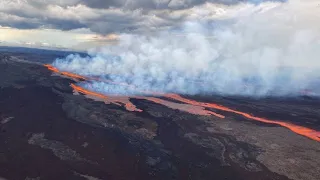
{"x": 50, "y": 131}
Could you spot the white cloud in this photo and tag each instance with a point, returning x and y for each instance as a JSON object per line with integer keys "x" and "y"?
{"x": 108, "y": 16}
{"x": 81, "y": 39}
{"x": 274, "y": 51}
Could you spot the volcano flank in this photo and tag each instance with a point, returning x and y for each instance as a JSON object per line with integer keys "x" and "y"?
{"x": 52, "y": 127}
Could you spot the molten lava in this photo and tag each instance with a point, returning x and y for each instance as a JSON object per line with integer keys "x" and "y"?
{"x": 87, "y": 92}
{"x": 73, "y": 75}
{"x": 191, "y": 106}
{"x": 192, "y": 109}
{"x": 113, "y": 99}
{"x": 83, "y": 78}
{"x": 312, "y": 134}
{"x": 67, "y": 74}
{"x": 197, "y": 110}
{"x": 51, "y": 68}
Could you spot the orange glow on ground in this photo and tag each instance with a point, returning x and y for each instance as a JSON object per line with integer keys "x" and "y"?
{"x": 113, "y": 99}
{"x": 51, "y": 68}
{"x": 191, "y": 106}
{"x": 197, "y": 110}
{"x": 84, "y": 91}
{"x": 67, "y": 74}
{"x": 83, "y": 78}
{"x": 73, "y": 75}
{"x": 312, "y": 134}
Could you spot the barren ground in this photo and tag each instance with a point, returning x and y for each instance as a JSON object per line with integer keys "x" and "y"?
{"x": 47, "y": 132}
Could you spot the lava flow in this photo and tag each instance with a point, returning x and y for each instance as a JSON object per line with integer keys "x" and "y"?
{"x": 191, "y": 106}
{"x": 118, "y": 100}
{"x": 83, "y": 78}
{"x": 310, "y": 133}
{"x": 67, "y": 74}
{"x": 197, "y": 110}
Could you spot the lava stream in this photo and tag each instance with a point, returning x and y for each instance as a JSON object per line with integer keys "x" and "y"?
{"x": 310, "y": 133}
{"x": 191, "y": 106}
{"x": 67, "y": 74}
{"x": 192, "y": 109}
{"x": 115, "y": 100}
{"x": 90, "y": 78}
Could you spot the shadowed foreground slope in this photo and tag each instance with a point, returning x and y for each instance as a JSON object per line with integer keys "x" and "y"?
{"x": 48, "y": 132}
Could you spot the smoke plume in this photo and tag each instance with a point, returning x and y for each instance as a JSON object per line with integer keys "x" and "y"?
{"x": 271, "y": 51}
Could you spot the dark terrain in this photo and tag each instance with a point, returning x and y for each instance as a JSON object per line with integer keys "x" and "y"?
{"x": 47, "y": 132}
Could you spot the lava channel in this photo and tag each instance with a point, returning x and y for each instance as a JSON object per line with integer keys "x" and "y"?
{"x": 191, "y": 106}
{"x": 310, "y": 133}
{"x": 66, "y": 74}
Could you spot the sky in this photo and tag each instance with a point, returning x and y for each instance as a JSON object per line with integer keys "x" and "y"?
{"x": 163, "y": 45}
{"x": 82, "y": 24}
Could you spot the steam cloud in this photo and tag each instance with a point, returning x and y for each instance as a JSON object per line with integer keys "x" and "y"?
{"x": 274, "y": 51}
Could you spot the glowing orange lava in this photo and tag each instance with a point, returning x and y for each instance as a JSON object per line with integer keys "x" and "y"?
{"x": 79, "y": 77}
{"x": 310, "y": 133}
{"x": 191, "y": 106}
{"x": 73, "y": 75}
{"x": 84, "y": 91}
{"x": 131, "y": 107}
{"x": 51, "y": 68}
{"x": 192, "y": 109}
{"x": 67, "y": 74}
{"x": 113, "y": 99}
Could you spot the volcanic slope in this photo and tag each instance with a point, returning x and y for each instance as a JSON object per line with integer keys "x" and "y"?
{"x": 51, "y": 131}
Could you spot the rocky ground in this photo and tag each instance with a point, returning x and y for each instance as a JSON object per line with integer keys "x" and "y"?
{"x": 47, "y": 132}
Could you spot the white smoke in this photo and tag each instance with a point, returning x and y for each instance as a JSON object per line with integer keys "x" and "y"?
{"x": 272, "y": 51}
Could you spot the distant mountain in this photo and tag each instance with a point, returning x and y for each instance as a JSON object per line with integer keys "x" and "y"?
{"x": 38, "y": 55}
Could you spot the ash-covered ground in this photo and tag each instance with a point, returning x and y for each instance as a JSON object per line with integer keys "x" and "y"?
{"x": 48, "y": 132}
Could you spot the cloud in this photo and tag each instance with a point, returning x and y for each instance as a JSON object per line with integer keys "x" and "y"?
{"x": 110, "y": 16}
{"x": 79, "y": 39}
{"x": 272, "y": 49}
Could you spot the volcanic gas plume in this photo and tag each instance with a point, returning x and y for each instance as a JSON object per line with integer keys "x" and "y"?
{"x": 271, "y": 49}
{"x": 187, "y": 105}
{"x": 63, "y": 73}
